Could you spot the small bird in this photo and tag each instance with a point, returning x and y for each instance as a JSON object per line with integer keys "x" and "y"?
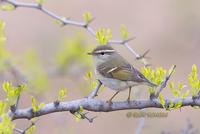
{"x": 115, "y": 72}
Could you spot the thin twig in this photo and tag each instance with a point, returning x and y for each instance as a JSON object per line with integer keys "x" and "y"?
{"x": 95, "y": 91}
{"x": 18, "y": 130}
{"x": 83, "y": 116}
{"x": 164, "y": 83}
{"x": 24, "y": 131}
{"x": 66, "y": 21}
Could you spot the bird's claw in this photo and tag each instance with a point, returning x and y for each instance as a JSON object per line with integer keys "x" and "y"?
{"x": 109, "y": 101}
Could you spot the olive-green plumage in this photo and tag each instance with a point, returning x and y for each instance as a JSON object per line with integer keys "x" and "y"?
{"x": 114, "y": 71}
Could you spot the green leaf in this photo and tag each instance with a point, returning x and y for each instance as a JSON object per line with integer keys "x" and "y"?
{"x": 185, "y": 94}
{"x": 87, "y": 16}
{"x": 198, "y": 84}
{"x": 62, "y": 94}
{"x": 91, "y": 80}
{"x": 7, "y": 86}
{"x": 78, "y": 117}
{"x": 154, "y": 75}
{"x": 40, "y": 2}
{"x": 194, "y": 81}
{"x": 124, "y": 32}
{"x": 195, "y": 92}
{"x": 81, "y": 109}
{"x": 36, "y": 106}
{"x": 89, "y": 75}
{"x": 161, "y": 99}
{"x": 7, "y": 7}
{"x": 171, "y": 85}
{"x": 30, "y": 130}
{"x": 151, "y": 90}
{"x": 6, "y": 125}
{"x": 12, "y": 92}
{"x": 103, "y": 36}
{"x": 2, "y": 107}
{"x": 59, "y": 22}
{"x": 176, "y": 93}
{"x": 194, "y": 68}
{"x": 177, "y": 105}
{"x": 41, "y": 105}
{"x": 146, "y": 71}
{"x": 180, "y": 86}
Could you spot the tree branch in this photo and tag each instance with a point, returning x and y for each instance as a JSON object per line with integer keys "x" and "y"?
{"x": 99, "y": 106}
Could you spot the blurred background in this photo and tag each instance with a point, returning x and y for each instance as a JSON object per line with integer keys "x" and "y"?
{"x": 51, "y": 57}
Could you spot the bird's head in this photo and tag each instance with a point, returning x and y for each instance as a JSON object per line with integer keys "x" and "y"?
{"x": 102, "y": 53}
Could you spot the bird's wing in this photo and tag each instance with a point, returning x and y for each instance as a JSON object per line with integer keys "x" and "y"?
{"x": 124, "y": 72}
{"x": 128, "y": 73}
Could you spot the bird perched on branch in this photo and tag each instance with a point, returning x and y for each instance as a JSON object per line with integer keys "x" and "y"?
{"x": 115, "y": 72}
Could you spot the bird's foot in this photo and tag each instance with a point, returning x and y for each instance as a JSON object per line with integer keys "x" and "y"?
{"x": 128, "y": 99}
{"x": 109, "y": 101}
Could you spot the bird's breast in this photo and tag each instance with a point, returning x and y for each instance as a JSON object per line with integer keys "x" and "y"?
{"x": 115, "y": 84}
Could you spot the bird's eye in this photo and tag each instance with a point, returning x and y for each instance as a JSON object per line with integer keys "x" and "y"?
{"x": 102, "y": 53}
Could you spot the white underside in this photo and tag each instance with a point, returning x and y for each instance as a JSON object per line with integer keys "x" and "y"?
{"x": 115, "y": 84}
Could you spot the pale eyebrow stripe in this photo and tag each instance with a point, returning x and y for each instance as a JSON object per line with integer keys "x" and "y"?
{"x": 105, "y": 51}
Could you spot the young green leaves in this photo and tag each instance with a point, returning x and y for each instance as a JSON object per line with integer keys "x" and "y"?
{"x": 30, "y": 130}
{"x": 154, "y": 75}
{"x": 91, "y": 80}
{"x": 177, "y": 91}
{"x": 62, "y": 94}
{"x": 12, "y": 93}
{"x": 2, "y": 107}
{"x": 79, "y": 114}
{"x": 60, "y": 22}
{"x": 194, "y": 81}
{"x": 40, "y": 2}
{"x": 161, "y": 99}
{"x": 7, "y": 7}
{"x": 103, "y": 35}
{"x": 87, "y": 17}
{"x": 36, "y": 106}
{"x": 6, "y": 124}
{"x": 124, "y": 32}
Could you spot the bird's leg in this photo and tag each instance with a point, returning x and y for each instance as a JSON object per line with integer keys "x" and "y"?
{"x": 110, "y": 100}
{"x": 129, "y": 94}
